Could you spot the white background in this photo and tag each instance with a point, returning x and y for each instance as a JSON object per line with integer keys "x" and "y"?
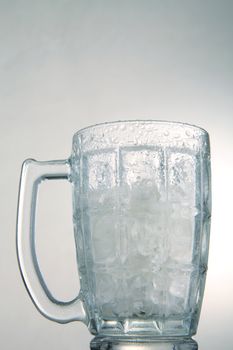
{"x": 67, "y": 64}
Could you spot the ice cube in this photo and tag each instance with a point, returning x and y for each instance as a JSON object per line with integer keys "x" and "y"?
{"x": 104, "y": 237}
{"x": 105, "y": 287}
{"x": 181, "y": 237}
{"x": 178, "y": 291}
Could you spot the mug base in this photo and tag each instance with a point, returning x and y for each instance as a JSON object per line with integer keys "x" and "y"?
{"x": 115, "y": 343}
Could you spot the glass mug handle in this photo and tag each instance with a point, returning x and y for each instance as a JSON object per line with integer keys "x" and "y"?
{"x": 33, "y": 173}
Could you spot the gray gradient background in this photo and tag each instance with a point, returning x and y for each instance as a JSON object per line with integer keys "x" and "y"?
{"x": 67, "y": 64}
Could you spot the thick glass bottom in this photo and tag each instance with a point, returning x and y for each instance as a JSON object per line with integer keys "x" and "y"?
{"x": 115, "y": 343}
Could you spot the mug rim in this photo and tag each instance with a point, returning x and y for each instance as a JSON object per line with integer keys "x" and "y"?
{"x": 141, "y": 121}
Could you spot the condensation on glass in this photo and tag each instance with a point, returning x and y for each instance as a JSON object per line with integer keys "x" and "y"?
{"x": 141, "y": 213}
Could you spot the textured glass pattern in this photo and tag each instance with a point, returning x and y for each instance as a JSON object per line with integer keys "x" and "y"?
{"x": 141, "y": 214}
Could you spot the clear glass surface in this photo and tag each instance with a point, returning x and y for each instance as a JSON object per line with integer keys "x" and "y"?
{"x": 141, "y": 203}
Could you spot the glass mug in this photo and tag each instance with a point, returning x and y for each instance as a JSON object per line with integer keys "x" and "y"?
{"x": 141, "y": 214}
